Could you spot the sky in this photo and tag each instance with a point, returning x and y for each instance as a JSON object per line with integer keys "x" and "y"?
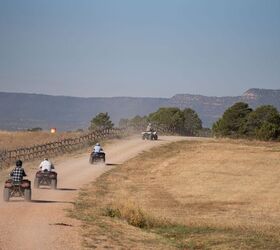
{"x": 152, "y": 48}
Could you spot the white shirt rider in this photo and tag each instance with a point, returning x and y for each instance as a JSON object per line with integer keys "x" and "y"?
{"x": 149, "y": 128}
{"x": 97, "y": 148}
{"x": 46, "y": 165}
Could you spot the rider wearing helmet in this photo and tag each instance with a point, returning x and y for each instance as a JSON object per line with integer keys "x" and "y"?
{"x": 97, "y": 148}
{"x": 18, "y": 172}
{"x": 46, "y": 165}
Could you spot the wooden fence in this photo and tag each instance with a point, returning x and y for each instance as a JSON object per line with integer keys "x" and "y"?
{"x": 9, "y": 157}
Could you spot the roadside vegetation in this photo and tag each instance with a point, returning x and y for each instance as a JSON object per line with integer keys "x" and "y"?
{"x": 241, "y": 121}
{"x": 210, "y": 194}
{"x": 101, "y": 121}
{"x": 174, "y": 120}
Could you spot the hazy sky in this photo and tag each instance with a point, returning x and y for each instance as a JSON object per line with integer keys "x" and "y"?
{"x": 139, "y": 47}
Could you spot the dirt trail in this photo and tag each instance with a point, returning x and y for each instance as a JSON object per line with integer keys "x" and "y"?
{"x": 43, "y": 224}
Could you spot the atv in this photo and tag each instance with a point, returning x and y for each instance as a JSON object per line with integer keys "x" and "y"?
{"x": 149, "y": 135}
{"x": 17, "y": 189}
{"x": 97, "y": 158}
{"x": 45, "y": 178}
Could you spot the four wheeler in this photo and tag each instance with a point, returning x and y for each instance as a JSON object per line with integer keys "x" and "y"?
{"x": 17, "y": 189}
{"x": 45, "y": 178}
{"x": 97, "y": 158}
{"x": 149, "y": 135}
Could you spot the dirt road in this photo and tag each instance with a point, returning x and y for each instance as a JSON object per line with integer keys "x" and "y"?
{"x": 43, "y": 223}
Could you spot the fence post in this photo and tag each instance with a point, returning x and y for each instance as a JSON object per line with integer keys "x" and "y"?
{"x": 52, "y": 148}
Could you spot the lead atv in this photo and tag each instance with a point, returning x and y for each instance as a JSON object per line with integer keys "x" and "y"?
{"x": 152, "y": 135}
{"x": 97, "y": 158}
{"x": 17, "y": 189}
{"x": 45, "y": 178}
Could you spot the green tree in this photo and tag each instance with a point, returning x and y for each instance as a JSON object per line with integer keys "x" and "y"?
{"x": 260, "y": 120}
{"x": 268, "y": 131}
{"x": 192, "y": 122}
{"x": 171, "y": 118}
{"x": 138, "y": 122}
{"x": 233, "y": 121}
{"x": 101, "y": 121}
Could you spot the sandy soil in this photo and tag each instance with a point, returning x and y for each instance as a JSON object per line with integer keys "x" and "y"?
{"x": 43, "y": 223}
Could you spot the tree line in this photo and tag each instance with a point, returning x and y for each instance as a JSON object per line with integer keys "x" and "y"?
{"x": 185, "y": 122}
{"x": 238, "y": 121}
{"x": 241, "y": 121}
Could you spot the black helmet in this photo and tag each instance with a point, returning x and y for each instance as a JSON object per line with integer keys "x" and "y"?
{"x": 18, "y": 163}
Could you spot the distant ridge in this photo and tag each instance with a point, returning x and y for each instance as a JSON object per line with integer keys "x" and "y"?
{"x": 21, "y": 111}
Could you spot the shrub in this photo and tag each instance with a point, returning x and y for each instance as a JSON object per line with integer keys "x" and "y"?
{"x": 133, "y": 215}
{"x": 268, "y": 131}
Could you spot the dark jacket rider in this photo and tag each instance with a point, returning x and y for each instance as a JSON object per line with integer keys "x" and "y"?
{"x": 18, "y": 173}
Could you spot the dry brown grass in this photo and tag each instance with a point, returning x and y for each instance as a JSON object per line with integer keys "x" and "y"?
{"x": 13, "y": 140}
{"x": 215, "y": 194}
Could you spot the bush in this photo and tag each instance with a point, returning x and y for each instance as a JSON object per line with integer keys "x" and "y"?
{"x": 268, "y": 131}
{"x": 133, "y": 215}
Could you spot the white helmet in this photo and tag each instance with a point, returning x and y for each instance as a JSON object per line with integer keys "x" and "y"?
{"x": 97, "y": 144}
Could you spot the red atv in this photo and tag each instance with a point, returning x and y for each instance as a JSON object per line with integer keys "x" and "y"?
{"x": 46, "y": 178}
{"x": 17, "y": 189}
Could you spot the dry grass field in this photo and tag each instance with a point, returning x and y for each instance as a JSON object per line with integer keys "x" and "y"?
{"x": 12, "y": 140}
{"x": 211, "y": 194}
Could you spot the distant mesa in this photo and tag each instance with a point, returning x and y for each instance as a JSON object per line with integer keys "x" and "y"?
{"x": 72, "y": 113}
{"x": 250, "y": 94}
{"x": 261, "y": 93}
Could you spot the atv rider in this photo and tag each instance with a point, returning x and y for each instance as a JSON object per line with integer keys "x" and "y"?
{"x": 46, "y": 165}
{"x": 18, "y": 173}
{"x": 97, "y": 149}
{"x": 149, "y": 128}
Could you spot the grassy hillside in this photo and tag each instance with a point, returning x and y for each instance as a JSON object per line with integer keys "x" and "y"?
{"x": 216, "y": 194}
